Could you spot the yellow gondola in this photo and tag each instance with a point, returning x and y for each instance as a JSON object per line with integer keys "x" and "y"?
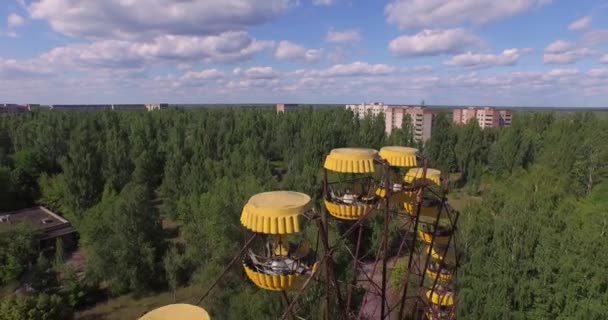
{"x": 433, "y": 176}
{"x": 275, "y": 216}
{"x": 350, "y": 201}
{"x": 397, "y": 157}
{"x": 440, "y": 297}
{"x": 429, "y": 205}
{"x": 435, "y": 252}
{"x": 177, "y": 311}
{"x": 442, "y": 234}
{"x": 434, "y": 271}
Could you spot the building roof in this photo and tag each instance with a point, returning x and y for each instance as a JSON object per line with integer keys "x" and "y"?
{"x": 41, "y": 219}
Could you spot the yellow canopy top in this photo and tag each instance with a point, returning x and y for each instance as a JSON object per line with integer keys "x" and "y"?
{"x": 399, "y": 156}
{"x": 275, "y": 212}
{"x": 351, "y": 160}
{"x": 433, "y": 175}
{"x": 177, "y": 311}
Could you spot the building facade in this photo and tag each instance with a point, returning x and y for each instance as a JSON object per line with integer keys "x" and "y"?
{"x": 364, "y": 109}
{"x": 286, "y": 107}
{"x": 13, "y": 108}
{"x": 486, "y": 117}
{"x": 421, "y": 117}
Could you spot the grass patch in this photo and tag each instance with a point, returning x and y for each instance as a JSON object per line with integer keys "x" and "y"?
{"x": 129, "y": 307}
{"x": 459, "y": 199}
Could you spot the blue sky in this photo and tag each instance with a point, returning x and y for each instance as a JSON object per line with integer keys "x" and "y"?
{"x": 465, "y": 52}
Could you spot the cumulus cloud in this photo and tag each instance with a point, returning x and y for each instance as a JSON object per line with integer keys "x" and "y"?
{"x": 595, "y": 37}
{"x": 508, "y": 57}
{"x": 224, "y": 48}
{"x": 559, "y": 73}
{"x": 261, "y": 73}
{"x": 357, "y": 68}
{"x": 290, "y": 51}
{"x": 22, "y": 69}
{"x": 150, "y": 18}
{"x": 343, "y": 37}
{"x": 433, "y": 42}
{"x": 563, "y": 52}
{"x": 599, "y": 72}
{"x": 208, "y": 74}
{"x": 323, "y": 2}
{"x": 415, "y": 14}
{"x": 14, "y": 20}
{"x": 580, "y": 24}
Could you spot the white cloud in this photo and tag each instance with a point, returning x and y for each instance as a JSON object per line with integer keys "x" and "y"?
{"x": 559, "y": 73}
{"x": 595, "y": 37}
{"x": 357, "y": 68}
{"x": 343, "y": 37}
{"x": 508, "y": 57}
{"x": 294, "y": 52}
{"x": 261, "y": 73}
{"x": 433, "y": 42}
{"x": 18, "y": 69}
{"x": 323, "y": 2}
{"x": 208, "y": 74}
{"x": 599, "y": 72}
{"x": 604, "y": 58}
{"x": 559, "y": 46}
{"x": 580, "y": 24}
{"x": 415, "y": 14}
{"x": 223, "y": 48}
{"x": 563, "y": 52}
{"x": 150, "y": 18}
{"x": 14, "y": 20}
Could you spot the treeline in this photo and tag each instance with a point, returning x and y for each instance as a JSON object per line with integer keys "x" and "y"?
{"x": 533, "y": 247}
{"x": 116, "y": 175}
{"x": 119, "y": 175}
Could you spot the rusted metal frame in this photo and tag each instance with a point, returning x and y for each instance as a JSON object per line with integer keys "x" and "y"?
{"x": 301, "y": 291}
{"x": 330, "y": 276}
{"x": 236, "y": 257}
{"x": 323, "y": 230}
{"x": 355, "y": 263}
{"x": 362, "y": 220}
{"x": 428, "y": 257}
{"x": 371, "y": 280}
{"x": 287, "y": 303}
{"x": 387, "y": 200}
{"x": 350, "y": 180}
{"x": 411, "y": 257}
{"x": 442, "y": 262}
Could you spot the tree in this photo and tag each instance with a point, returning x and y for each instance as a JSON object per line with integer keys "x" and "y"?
{"x": 123, "y": 233}
{"x": 440, "y": 147}
{"x": 17, "y": 251}
{"x": 403, "y": 136}
{"x": 82, "y": 170}
{"x": 26, "y": 170}
{"x": 467, "y": 151}
{"x": 175, "y": 269}
{"x": 7, "y": 193}
{"x": 53, "y": 190}
{"x": 40, "y": 307}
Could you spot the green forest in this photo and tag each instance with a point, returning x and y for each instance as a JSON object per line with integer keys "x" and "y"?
{"x": 531, "y": 245}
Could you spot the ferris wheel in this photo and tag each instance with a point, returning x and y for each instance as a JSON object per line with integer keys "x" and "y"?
{"x": 409, "y": 274}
